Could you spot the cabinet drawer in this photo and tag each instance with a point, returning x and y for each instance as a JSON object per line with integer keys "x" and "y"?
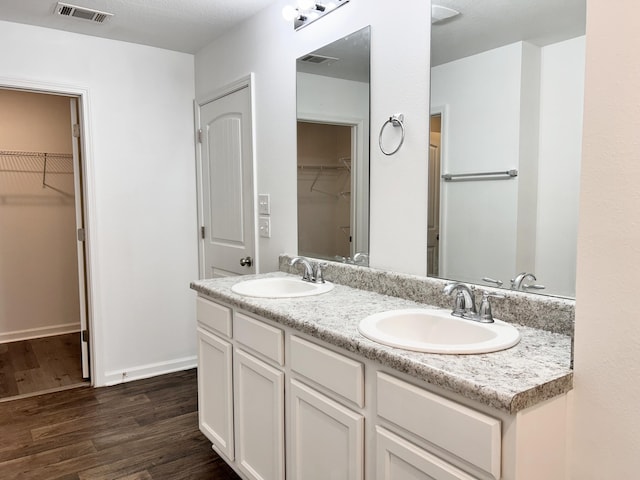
{"x": 260, "y": 337}
{"x": 459, "y": 430}
{"x": 213, "y": 316}
{"x": 329, "y": 369}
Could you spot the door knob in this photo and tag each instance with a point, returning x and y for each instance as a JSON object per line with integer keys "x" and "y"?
{"x": 246, "y": 262}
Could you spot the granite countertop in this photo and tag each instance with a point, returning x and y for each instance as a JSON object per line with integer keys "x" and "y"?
{"x": 510, "y": 380}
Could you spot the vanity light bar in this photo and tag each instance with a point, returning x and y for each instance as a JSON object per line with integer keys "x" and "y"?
{"x": 306, "y": 12}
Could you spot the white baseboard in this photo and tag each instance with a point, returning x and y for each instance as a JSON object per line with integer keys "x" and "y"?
{"x": 151, "y": 370}
{"x": 30, "y": 333}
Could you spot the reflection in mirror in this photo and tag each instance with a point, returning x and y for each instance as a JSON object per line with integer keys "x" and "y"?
{"x": 507, "y": 96}
{"x": 333, "y": 150}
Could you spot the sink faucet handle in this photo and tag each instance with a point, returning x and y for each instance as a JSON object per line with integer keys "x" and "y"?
{"x": 491, "y": 280}
{"x": 318, "y": 271}
{"x": 534, "y": 287}
{"x": 484, "y": 312}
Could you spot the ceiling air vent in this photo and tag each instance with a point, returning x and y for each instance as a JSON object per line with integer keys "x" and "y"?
{"x": 67, "y": 10}
{"x": 318, "y": 59}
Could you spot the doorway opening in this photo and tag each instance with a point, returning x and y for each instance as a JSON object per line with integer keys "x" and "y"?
{"x": 43, "y": 293}
{"x": 325, "y": 210}
{"x": 433, "y": 212}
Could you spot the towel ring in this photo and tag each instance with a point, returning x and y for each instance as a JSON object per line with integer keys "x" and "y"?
{"x": 396, "y": 120}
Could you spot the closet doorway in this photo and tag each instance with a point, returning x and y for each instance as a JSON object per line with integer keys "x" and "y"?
{"x": 325, "y": 210}
{"x": 43, "y": 307}
{"x": 433, "y": 215}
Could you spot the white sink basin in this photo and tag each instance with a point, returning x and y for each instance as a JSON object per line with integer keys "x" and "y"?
{"x": 280, "y": 287}
{"x": 437, "y": 331}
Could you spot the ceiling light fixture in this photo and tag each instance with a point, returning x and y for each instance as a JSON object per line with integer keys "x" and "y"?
{"x": 305, "y": 12}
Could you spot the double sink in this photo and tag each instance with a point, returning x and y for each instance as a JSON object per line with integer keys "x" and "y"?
{"x": 428, "y": 329}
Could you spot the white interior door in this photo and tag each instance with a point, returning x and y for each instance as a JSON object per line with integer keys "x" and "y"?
{"x": 226, "y": 153}
{"x": 82, "y": 285}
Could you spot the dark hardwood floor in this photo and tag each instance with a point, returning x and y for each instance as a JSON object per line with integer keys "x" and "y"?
{"x": 40, "y": 365}
{"x": 146, "y": 429}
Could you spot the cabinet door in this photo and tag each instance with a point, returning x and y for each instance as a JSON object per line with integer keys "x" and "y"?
{"x": 398, "y": 459}
{"x": 259, "y": 421}
{"x": 215, "y": 392}
{"x": 327, "y": 439}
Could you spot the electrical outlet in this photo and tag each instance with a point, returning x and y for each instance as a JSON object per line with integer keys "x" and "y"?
{"x": 264, "y": 226}
{"x": 264, "y": 204}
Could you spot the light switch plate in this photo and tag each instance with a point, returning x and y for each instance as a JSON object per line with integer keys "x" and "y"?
{"x": 264, "y": 226}
{"x": 264, "y": 204}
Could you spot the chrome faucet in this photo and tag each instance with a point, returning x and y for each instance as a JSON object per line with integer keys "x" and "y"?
{"x": 318, "y": 271}
{"x": 361, "y": 258}
{"x": 313, "y": 271}
{"x": 465, "y": 302}
{"x": 518, "y": 282}
{"x": 308, "y": 269}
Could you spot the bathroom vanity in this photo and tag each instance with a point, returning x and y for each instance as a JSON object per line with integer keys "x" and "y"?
{"x": 288, "y": 388}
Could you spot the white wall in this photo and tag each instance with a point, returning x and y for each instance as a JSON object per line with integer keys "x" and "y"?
{"x": 561, "y": 112}
{"x": 37, "y": 226}
{"x": 268, "y": 46}
{"x": 528, "y": 142}
{"x": 141, "y": 184}
{"x": 607, "y": 340}
{"x": 326, "y": 97}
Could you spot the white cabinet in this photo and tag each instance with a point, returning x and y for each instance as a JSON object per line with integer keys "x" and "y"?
{"x": 259, "y": 422}
{"x": 259, "y": 398}
{"x": 327, "y": 439}
{"x": 215, "y": 391}
{"x": 259, "y": 381}
{"x": 398, "y": 459}
{"x": 241, "y": 390}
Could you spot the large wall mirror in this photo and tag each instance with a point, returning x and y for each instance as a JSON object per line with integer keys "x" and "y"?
{"x": 507, "y": 84}
{"x": 505, "y": 143}
{"x": 333, "y": 150}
